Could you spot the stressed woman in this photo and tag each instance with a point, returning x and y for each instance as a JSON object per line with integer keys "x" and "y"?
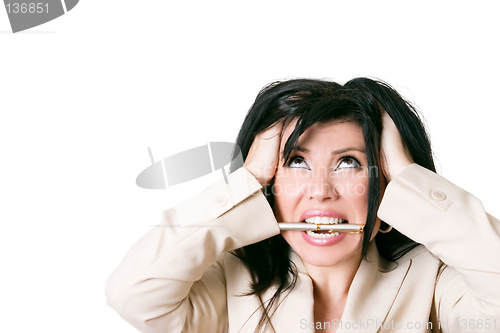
{"x": 321, "y": 155}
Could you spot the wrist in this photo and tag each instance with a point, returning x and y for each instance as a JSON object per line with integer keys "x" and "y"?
{"x": 398, "y": 168}
{"x": 262, "y": 175}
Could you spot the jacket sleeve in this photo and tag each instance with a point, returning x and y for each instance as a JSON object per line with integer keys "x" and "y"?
{"x": 454, "y": 226}
{"x": 171, "y": 280}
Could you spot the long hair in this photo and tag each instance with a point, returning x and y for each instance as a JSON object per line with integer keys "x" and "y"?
{"x": 318, "y": 101}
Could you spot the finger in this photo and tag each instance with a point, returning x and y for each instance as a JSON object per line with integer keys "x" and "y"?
{"x": 395, "y": 156}
{"x": 272, "y": 132}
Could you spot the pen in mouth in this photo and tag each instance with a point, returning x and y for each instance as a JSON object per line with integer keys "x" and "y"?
{"x": 304, "y": 226}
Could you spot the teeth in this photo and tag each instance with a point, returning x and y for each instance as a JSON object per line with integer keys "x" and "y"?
{"x": 324, "y": 220}
{"x": 327, "y": 235}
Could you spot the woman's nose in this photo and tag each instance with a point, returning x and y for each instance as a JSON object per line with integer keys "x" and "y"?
{"x": 321, "y": 187}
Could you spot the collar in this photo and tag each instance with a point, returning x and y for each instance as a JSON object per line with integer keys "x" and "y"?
{"x": 371, "y": 295}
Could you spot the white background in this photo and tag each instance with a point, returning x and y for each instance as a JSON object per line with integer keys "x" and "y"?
{"x": 82, "y": 97}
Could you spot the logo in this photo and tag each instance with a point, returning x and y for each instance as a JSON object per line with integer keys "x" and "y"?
{"x": 24, "y": 14}
{"x": 189, "y": 165}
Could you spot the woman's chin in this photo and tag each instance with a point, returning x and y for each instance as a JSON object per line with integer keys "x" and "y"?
{"x": 329, "y": 260}
{"x": 347, "y": 248}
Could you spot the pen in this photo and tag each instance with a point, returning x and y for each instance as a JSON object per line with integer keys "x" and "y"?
{"x": 304, "y": 226}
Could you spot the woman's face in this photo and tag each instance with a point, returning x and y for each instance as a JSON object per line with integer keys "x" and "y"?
{"x": 326, "y": 181}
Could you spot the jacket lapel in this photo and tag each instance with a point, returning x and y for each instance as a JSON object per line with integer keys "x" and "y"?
{"x": 297, "y": 308}
{"x": 371, "y": 295}
{"x": 244, "y": 312}
{"x": 372, "y": 292}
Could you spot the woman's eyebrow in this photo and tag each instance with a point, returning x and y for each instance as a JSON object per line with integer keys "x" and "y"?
{"x": 301, "y": 149}
{"x": 343, "y": 150}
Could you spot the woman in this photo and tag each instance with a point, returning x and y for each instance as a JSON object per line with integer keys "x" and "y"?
{"x": 323, "y": 154}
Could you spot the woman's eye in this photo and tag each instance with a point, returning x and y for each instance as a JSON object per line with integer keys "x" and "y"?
{"x": 348, "y": 162}
{"x": 298, "y": 162}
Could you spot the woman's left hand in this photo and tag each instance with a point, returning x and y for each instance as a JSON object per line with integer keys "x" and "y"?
{"x": 395, "y": 156}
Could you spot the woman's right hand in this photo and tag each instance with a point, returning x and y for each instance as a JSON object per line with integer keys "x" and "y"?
{"x": 263, "y": 156}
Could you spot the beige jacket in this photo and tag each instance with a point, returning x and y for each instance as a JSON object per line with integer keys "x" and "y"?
{"x": 182, "y": 279}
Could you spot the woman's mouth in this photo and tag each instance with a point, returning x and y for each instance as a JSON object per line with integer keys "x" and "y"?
{"x": 323, "y": 220}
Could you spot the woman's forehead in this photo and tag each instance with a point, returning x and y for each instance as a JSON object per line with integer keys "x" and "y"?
{"x": 341, "y": 130}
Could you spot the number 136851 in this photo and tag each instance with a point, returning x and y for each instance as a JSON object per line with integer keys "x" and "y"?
{"x": 31, "y": 8}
